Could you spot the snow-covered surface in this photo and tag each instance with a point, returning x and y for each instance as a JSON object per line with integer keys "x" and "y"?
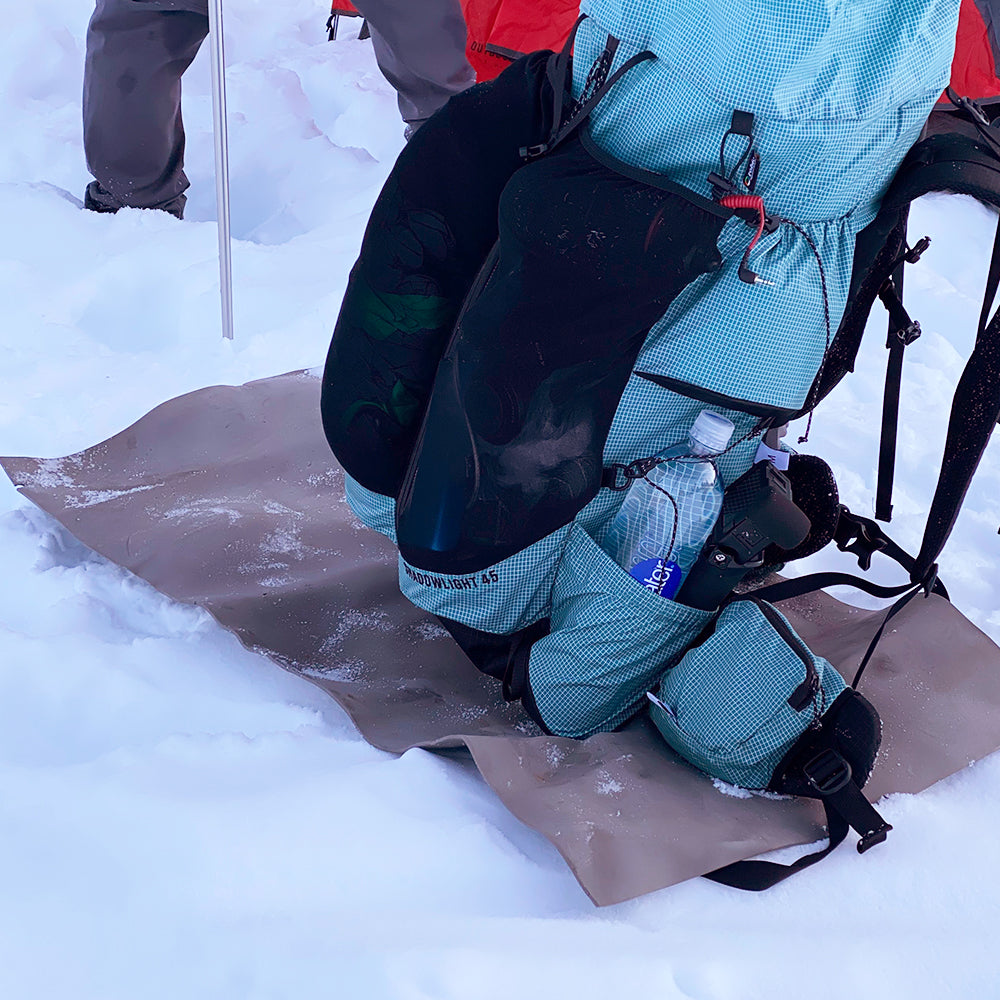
{"x": 181, "y": 819}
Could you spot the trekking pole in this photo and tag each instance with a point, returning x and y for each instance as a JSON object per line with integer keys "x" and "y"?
{"x": 220, "y": 133}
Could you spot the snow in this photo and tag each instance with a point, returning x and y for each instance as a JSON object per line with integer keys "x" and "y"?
{"x": 181, "y": 818}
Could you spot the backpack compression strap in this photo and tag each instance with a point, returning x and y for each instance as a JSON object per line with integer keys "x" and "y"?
{"x": 831, "y": 764}
{"x": 961, "y": 155}
{"x": 598, "y": 83}
{"x": 902, "y": 332}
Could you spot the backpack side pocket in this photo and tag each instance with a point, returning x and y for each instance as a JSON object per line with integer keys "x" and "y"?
{"x": 610, "y": 639}
{"x": 734, "y": 705}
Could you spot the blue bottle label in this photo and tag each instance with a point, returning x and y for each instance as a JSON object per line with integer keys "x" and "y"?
{"x": 661, "y": 576}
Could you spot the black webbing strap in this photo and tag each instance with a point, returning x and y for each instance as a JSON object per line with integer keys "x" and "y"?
{"x": 992, "y": 282}
{"x": 756, "y": 876}
{"x": 890, "y": 418}
{"x": 559, "y": 71}
{"x": 974, "y": 414}
{"x": 862, "y": 537}
{"x": 901, "y": 333}
{"x": 846, "y": 808}
{"x": 876, "y": 638}
{"x": 598, "y": 84}
{"x": 812, "y": 582}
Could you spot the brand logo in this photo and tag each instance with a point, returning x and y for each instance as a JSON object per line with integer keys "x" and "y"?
{"x": 661, "y": 576}
{"x": 483, "y": 579}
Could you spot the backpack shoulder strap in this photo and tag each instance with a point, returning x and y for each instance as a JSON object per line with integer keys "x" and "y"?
{"x": 959, "y": 154}
{"x": 951, "y": 156}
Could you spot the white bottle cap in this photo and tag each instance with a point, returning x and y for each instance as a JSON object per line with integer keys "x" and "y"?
{"x": 712, "y": 431}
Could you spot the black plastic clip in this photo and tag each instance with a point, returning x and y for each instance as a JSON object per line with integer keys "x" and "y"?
{"x": 914, "y": 253}
{"x": 973, "y": 108}
{"x": 721, "y": 186}
{"x": 854, "y": 534}
{"x": 910, "y": 255}
{"x": 929, "y": 582}
{"x": 874, "y": 837}
{"x": 634, "y": 470}
{"x": 828, "y": 772}
{"x": 771, "y": 223}
{"x": 901, "y": 326}
{"x": 533, "y": 152}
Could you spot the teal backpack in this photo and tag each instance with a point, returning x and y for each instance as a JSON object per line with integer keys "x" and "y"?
{"x": 493, "y": 387}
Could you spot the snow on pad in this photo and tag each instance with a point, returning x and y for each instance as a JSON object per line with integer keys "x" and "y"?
{"x": 171, "y": 805}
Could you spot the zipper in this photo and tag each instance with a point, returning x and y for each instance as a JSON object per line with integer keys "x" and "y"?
{"x": 800, "y": 698}
{"x": 776, "y": 413}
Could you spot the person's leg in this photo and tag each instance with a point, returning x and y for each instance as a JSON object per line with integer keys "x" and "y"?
{"x": 420, "y": 49}
{"x": 133, "y": 134}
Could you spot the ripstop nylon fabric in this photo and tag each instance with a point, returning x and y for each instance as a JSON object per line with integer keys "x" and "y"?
{"x": 838, "y": 99}
{"x": 839, "y": 93}
{"x": 727, "y": 708}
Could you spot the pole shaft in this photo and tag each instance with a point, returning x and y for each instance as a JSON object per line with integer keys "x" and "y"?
{"x": 220, "y": 133}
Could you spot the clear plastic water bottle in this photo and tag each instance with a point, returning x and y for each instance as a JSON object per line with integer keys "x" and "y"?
{"x": 667, "y": 517}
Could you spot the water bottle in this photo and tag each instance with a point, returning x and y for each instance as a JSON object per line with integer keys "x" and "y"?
{"x": 667, "y": 517}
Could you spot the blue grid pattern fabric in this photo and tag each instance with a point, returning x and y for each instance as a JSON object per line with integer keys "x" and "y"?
{"x": 839, "y": 91}
{"x": 724, "y": 706}
{"x": 610, "y": 640}
{"x": 507, "y": 596}
{"x": 518, "y": 591}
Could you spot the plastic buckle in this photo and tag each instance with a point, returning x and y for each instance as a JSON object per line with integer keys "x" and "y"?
{"x": 973, "y": 108}
{"x": 634, "y": 470}
{"x": 907, "y": 335}
{"x": 874, "y": 837}
{"x": 854, "y": 535}
{"x": 609, "y": 478}
{"x": 721, "y": 186}
{"x": 914, "y": 253}
{"x": 533, "y": 152}
{"x": 828, "y": 772}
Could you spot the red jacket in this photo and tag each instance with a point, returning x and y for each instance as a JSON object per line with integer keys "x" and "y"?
{"x": 974, "y": 71}
{"x": 502, "y": 30}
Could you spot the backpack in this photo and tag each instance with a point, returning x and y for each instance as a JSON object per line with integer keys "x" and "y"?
{"x": 515, "y": 571}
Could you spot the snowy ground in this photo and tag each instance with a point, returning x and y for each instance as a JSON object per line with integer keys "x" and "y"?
{"x": 180, "y": 818}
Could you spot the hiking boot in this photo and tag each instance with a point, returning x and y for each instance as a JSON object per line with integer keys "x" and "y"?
{"x": 96, "y": 199}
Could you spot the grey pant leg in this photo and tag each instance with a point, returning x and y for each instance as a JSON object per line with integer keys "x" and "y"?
{"x": 420, "y": 49}
{"x": 133, "y": 135}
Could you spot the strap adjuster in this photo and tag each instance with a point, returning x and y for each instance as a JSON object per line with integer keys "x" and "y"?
{"x": 854, "y": 534}
{"x": 930, "y": 580}
{"x": 533, "y": 152}
{"x": 828, "y": 772}
{"x": 974, "y": 110}
{"x": 874, "y": 837}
